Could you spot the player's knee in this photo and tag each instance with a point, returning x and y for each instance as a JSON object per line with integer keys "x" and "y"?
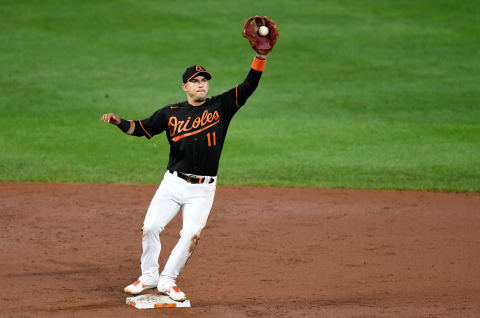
{"x": 193, "y": 243}
{"x": 189, "y": 233}
{"x": 149, "y": 229}
{"x": 192, "y": 236}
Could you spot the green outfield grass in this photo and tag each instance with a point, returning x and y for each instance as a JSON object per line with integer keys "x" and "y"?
{"x": 357, "y": 94}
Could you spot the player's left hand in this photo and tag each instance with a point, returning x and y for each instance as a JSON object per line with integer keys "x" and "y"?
{"x": 261, "y": 44}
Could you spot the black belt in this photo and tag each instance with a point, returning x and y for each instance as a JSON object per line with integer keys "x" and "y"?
{"x": 192, "y": 179}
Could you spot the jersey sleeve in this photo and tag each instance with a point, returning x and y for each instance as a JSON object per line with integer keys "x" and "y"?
{"x": 237, "y": 96}
{"x": 152, "y": 125}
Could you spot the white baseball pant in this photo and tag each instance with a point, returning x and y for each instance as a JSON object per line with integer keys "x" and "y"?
{"x": 175, "y": 194}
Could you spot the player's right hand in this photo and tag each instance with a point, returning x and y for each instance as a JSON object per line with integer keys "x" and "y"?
{"x": 111, "y": 118}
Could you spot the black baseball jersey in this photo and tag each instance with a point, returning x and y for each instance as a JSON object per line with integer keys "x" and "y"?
{"x": 196, "y": 133}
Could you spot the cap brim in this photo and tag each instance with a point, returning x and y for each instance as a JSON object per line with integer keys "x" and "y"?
{"x": 207, "y": 75}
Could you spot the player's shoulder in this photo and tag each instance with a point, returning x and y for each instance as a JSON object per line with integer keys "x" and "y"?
{"x": 170, "y": 107}
{"x": 221, "y": 96}
{"x": 166, "y": 111}
{"x": 213, "y": 99}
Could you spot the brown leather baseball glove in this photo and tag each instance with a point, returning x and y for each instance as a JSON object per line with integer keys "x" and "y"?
{"x": 261, "y": 44}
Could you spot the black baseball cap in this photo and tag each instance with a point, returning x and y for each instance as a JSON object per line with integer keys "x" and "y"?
{"x": 193, "y": 71}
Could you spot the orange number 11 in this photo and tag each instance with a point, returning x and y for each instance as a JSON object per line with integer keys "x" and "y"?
{"x": 214, "y": 139}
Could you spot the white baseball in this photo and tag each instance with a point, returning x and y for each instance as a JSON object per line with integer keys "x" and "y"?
{"x": 263, "y": 31}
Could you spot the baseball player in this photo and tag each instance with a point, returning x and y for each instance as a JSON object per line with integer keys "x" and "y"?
{"x": 196, "y": 130}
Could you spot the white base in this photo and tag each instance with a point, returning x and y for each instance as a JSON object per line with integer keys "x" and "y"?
{"x": 155, "y": 301}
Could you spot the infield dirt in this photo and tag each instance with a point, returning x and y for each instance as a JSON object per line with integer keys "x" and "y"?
{"x": 67, "y": 250}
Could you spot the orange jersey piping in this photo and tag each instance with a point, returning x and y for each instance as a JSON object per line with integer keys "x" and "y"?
{"x": 236, "y": 95}
{"x": 144, "y": 129}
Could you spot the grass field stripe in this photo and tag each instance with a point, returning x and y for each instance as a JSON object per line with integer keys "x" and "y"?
{"x": 347, "y": 111}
